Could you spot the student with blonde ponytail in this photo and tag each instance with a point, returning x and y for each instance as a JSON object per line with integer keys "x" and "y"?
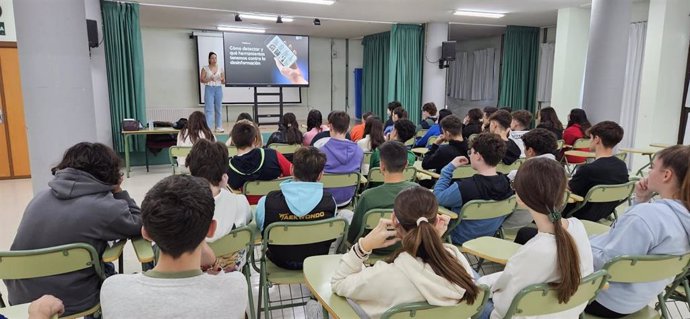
{"x": 559, "y": 254}
{"x": 424, "y": 269}
{"x": 659, "y": 227}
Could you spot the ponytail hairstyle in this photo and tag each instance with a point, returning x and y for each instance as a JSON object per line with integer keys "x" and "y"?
{"x": 416, "y": 208}
{"x": 541, "y": 184}
{"x": 292, "y": 132}
{"x": 677, "y": 158}
{"x": 374, "y": 128}
{"x": 196, "y": 125}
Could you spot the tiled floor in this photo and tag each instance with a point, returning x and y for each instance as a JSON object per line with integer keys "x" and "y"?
{"x": 16, "y": 194}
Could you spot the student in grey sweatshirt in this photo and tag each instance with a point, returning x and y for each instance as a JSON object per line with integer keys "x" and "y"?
{"x": 84, "y": 204}
{"x": 648, "y": 228}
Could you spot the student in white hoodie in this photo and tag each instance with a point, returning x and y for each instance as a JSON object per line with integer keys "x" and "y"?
{"x": 658, "y": 227}
{"x": 425, "y": 269}
{"x": 558, "y": 254}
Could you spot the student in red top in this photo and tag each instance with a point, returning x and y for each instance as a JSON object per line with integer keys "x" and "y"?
{"x": 578, "y": 124}
{"x": 357, "y": 131}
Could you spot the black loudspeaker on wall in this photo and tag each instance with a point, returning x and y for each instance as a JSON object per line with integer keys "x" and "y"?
{"x": 92, "y": 31}
{"x": 447, "y": 54}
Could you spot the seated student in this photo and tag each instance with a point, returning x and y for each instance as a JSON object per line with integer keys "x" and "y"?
{"x": 326, "y": 133}
{"x": 659, "y": 227}
{"x": 440, "y": 155}
{"x": 606, "y": 169}
{"x": 178, "y": 215}
{"x": 288, "y": 131}
{"x": 357, "y": 131}
{"x": 472, "y": 123}
{"x": 559, "y": 255}
{"x": 314, "y": 126}
{"x": 539, "y": 143}
{"x": 246, "y": 118}
{"x": 486, "y": 152}
{"x": 301, "y": 198}
{"x": 83, "y": 204}
{"x": 398, "y": 114}
{"x": 428, "y": 116}
{"x": 391, "y": 106}
{"x": 434, "y": 130}
{"x": 403, "y": 130}
{"x": 253, "y": 163}
{"x": 488, "y": 111}
{"x": 342, "y": 155}
{"x": 207, "y": 160}
{"x": 578, "y": 126}
{"x": 519, "y": 125}
{"x": 500, "y": 125}
{"x": 424, "y": 269}
{"x": 373, "y": 135}
{"x": 548, "y": 119}
{"x": 195, "y": 130}
{"x": 393, "y": 163}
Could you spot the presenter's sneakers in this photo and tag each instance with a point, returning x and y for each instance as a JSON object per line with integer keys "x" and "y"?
{"x": 220, "y": 130}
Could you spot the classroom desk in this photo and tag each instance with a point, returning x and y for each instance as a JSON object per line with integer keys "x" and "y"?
{"x": 648, "y": 152}
{"x": 421, "y": 151}
{"x": 318, "y": 271}
{"x": 580, "y": 154}
{"x": 573, "y": 198}
{"x": 418, "y": 165}
{"x": 661, "y": 145}
{"x": 114, "y": 253}
{"x": 144, "y": 251}
{"x": 491, "y": 248}
{"x": 593, "y": 228}
{"x": 126, "y": 135}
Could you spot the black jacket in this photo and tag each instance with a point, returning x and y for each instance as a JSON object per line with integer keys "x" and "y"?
{"x": 513, "y": 152}
{"x": 439, "y": 156}
{"x": 471, "y": 129}
{"x": 603, "y": 171}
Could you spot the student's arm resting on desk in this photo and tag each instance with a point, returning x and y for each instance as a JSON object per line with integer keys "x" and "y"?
{"x": 447, "y": 193}
{"x": 630, "y": 235}
{"x": 126, "y": 218}
{"x": 352, "y": 280}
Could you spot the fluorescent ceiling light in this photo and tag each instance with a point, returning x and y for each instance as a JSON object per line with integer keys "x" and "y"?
{"x": 493, "y": 15}
{"x": 326, "y": 2}
{"x": 264, "y": 17}
{"x": 240, "y": 29}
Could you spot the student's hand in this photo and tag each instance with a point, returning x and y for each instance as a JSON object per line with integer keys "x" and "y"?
{"x": 460, "y": 161}
{"x": 117, "y": 188}
{"x": 46, "y": 307}
{"x": 441, "y": 225}
{"x": 382, "y": 236}
{"x": 642, "y": 192}
{"x": 440, "y": 139}
{"x": 466, "y": 120}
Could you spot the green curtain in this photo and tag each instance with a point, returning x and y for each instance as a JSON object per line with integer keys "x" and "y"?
{"x": 405, "y": 70}
{"x": 124, "y": 59}
{"x": 519, "y": 70}
{"x": 375, "y": 73}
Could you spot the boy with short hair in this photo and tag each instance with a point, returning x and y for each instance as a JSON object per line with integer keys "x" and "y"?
{"x": 403, "y": 130}
{"x": 519, "y": 125}
{"x": 253, "y": 163}
{"x": 539, "y": 143}
{"x": 398, "y": 114}
{"x": 393, "y": 163}
{"x": 499, "y": 123}
{"x": 178, "y": 215}
{"x": 606, "y": 169}
{"x": 391, "y": 106}
{"x": 486, "y": 152}
{"x": 342, "y": 155}
{"x": 357, "y": 131}
{"x": 301, "y": 198}
{"x": 326, "y": 133}
{"x": 440, "y": 155}
{"x": 428, "y": 116}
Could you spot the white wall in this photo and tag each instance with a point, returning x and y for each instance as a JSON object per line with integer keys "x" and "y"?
{"x": 433, "y": 78}
{"x": 171, "y": 74}
{"x": 8, "y": 18}
{"x": 99, "y": 77}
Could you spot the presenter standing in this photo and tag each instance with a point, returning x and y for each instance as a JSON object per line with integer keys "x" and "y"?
{"x": 214, "y": 78}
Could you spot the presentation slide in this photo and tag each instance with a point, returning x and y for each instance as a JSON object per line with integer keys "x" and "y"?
{"x": 265, "y": 59}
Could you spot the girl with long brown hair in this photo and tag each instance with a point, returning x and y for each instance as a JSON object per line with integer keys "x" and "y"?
{"x": 650, "y": 227}
{"x": 195, "y": 129}
{"x": 559, "y": 254}
{"x": 424, "y": 269}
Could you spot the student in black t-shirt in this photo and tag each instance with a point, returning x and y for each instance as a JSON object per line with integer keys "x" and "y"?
{"x": 499, "y": 123}
{"x": 440, "y": 155}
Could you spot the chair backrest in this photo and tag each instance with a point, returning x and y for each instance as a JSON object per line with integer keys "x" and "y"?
{"x": 425, "y": 310}
{"x": 285, "y": 148}
{"x": 421, "y": 133}
{"x": 232, "y": 150}
{"x": 637, "y": 269}
{"x": 485, "y": 209}
{"x": 622, "y": 156}
{"x": 234, "y": 241}
{"x": 367, "y": 158}
{"x": 340, "y": 180}
{"x": 376, "y": 176}
{"x": 431, "y": 140}
{"x": 24, "y": 264}
{"x": 582, "y": 143}
{"x": 371, "y": 219}
{"x": 542, "y": 299}
{"x": 177, "y": 151}
{"x": 409, "y": 142}
{"x": 610, "y": 193}
{"x": 301, "y": 233}
{"x": 463, "y": 172}
{"x": 559, "y": 145}
{"x": 505, "y": 169}
{"x": 261, "y": 188}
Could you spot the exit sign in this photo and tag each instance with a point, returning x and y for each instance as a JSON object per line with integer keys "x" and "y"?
{"x": 2, "y": 28}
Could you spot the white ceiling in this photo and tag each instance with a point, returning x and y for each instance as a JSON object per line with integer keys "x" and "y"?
{"x": 352, "y": 18}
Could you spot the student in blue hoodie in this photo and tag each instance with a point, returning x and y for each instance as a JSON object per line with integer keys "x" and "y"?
{"x": 434, "y": 130}
{"x": 300, "y": 199}
{"x": 659, "y": 227}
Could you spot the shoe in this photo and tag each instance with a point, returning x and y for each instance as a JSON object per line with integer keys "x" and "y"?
{"x": 220, "y": 130}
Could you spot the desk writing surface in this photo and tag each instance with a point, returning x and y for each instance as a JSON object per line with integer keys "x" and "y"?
{"x": 318, "y": 271}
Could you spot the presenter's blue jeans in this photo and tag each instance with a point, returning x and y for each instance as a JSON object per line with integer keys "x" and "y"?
{"x": 213, "y": 97}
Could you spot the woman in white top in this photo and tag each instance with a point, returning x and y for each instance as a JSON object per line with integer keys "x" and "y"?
{"x": 195, "y": 129}
{"x": 213, "y": 77}
{"x": 560, "y": 254}
{"x": 425, "y": 269}
{"x": 373, "y": 138}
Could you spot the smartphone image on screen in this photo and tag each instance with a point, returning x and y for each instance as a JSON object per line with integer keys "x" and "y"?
{"x": 281, "y": 51}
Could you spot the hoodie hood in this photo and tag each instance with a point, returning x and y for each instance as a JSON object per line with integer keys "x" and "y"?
{"x": 680, "y": 211}
{"x": 497, "y": 186}
{"x": 301, "y": 197}
{"x": 71, "y": 183}
{"x": 343, "y": 156}
{"x": 437, "y": 290}
{"x": 249, "y": 163}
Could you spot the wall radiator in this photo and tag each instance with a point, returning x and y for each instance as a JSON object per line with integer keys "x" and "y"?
{"x": 170, "y": 115}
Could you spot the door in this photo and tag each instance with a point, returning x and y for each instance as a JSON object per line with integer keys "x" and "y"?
{"x": 14, "y": 152}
